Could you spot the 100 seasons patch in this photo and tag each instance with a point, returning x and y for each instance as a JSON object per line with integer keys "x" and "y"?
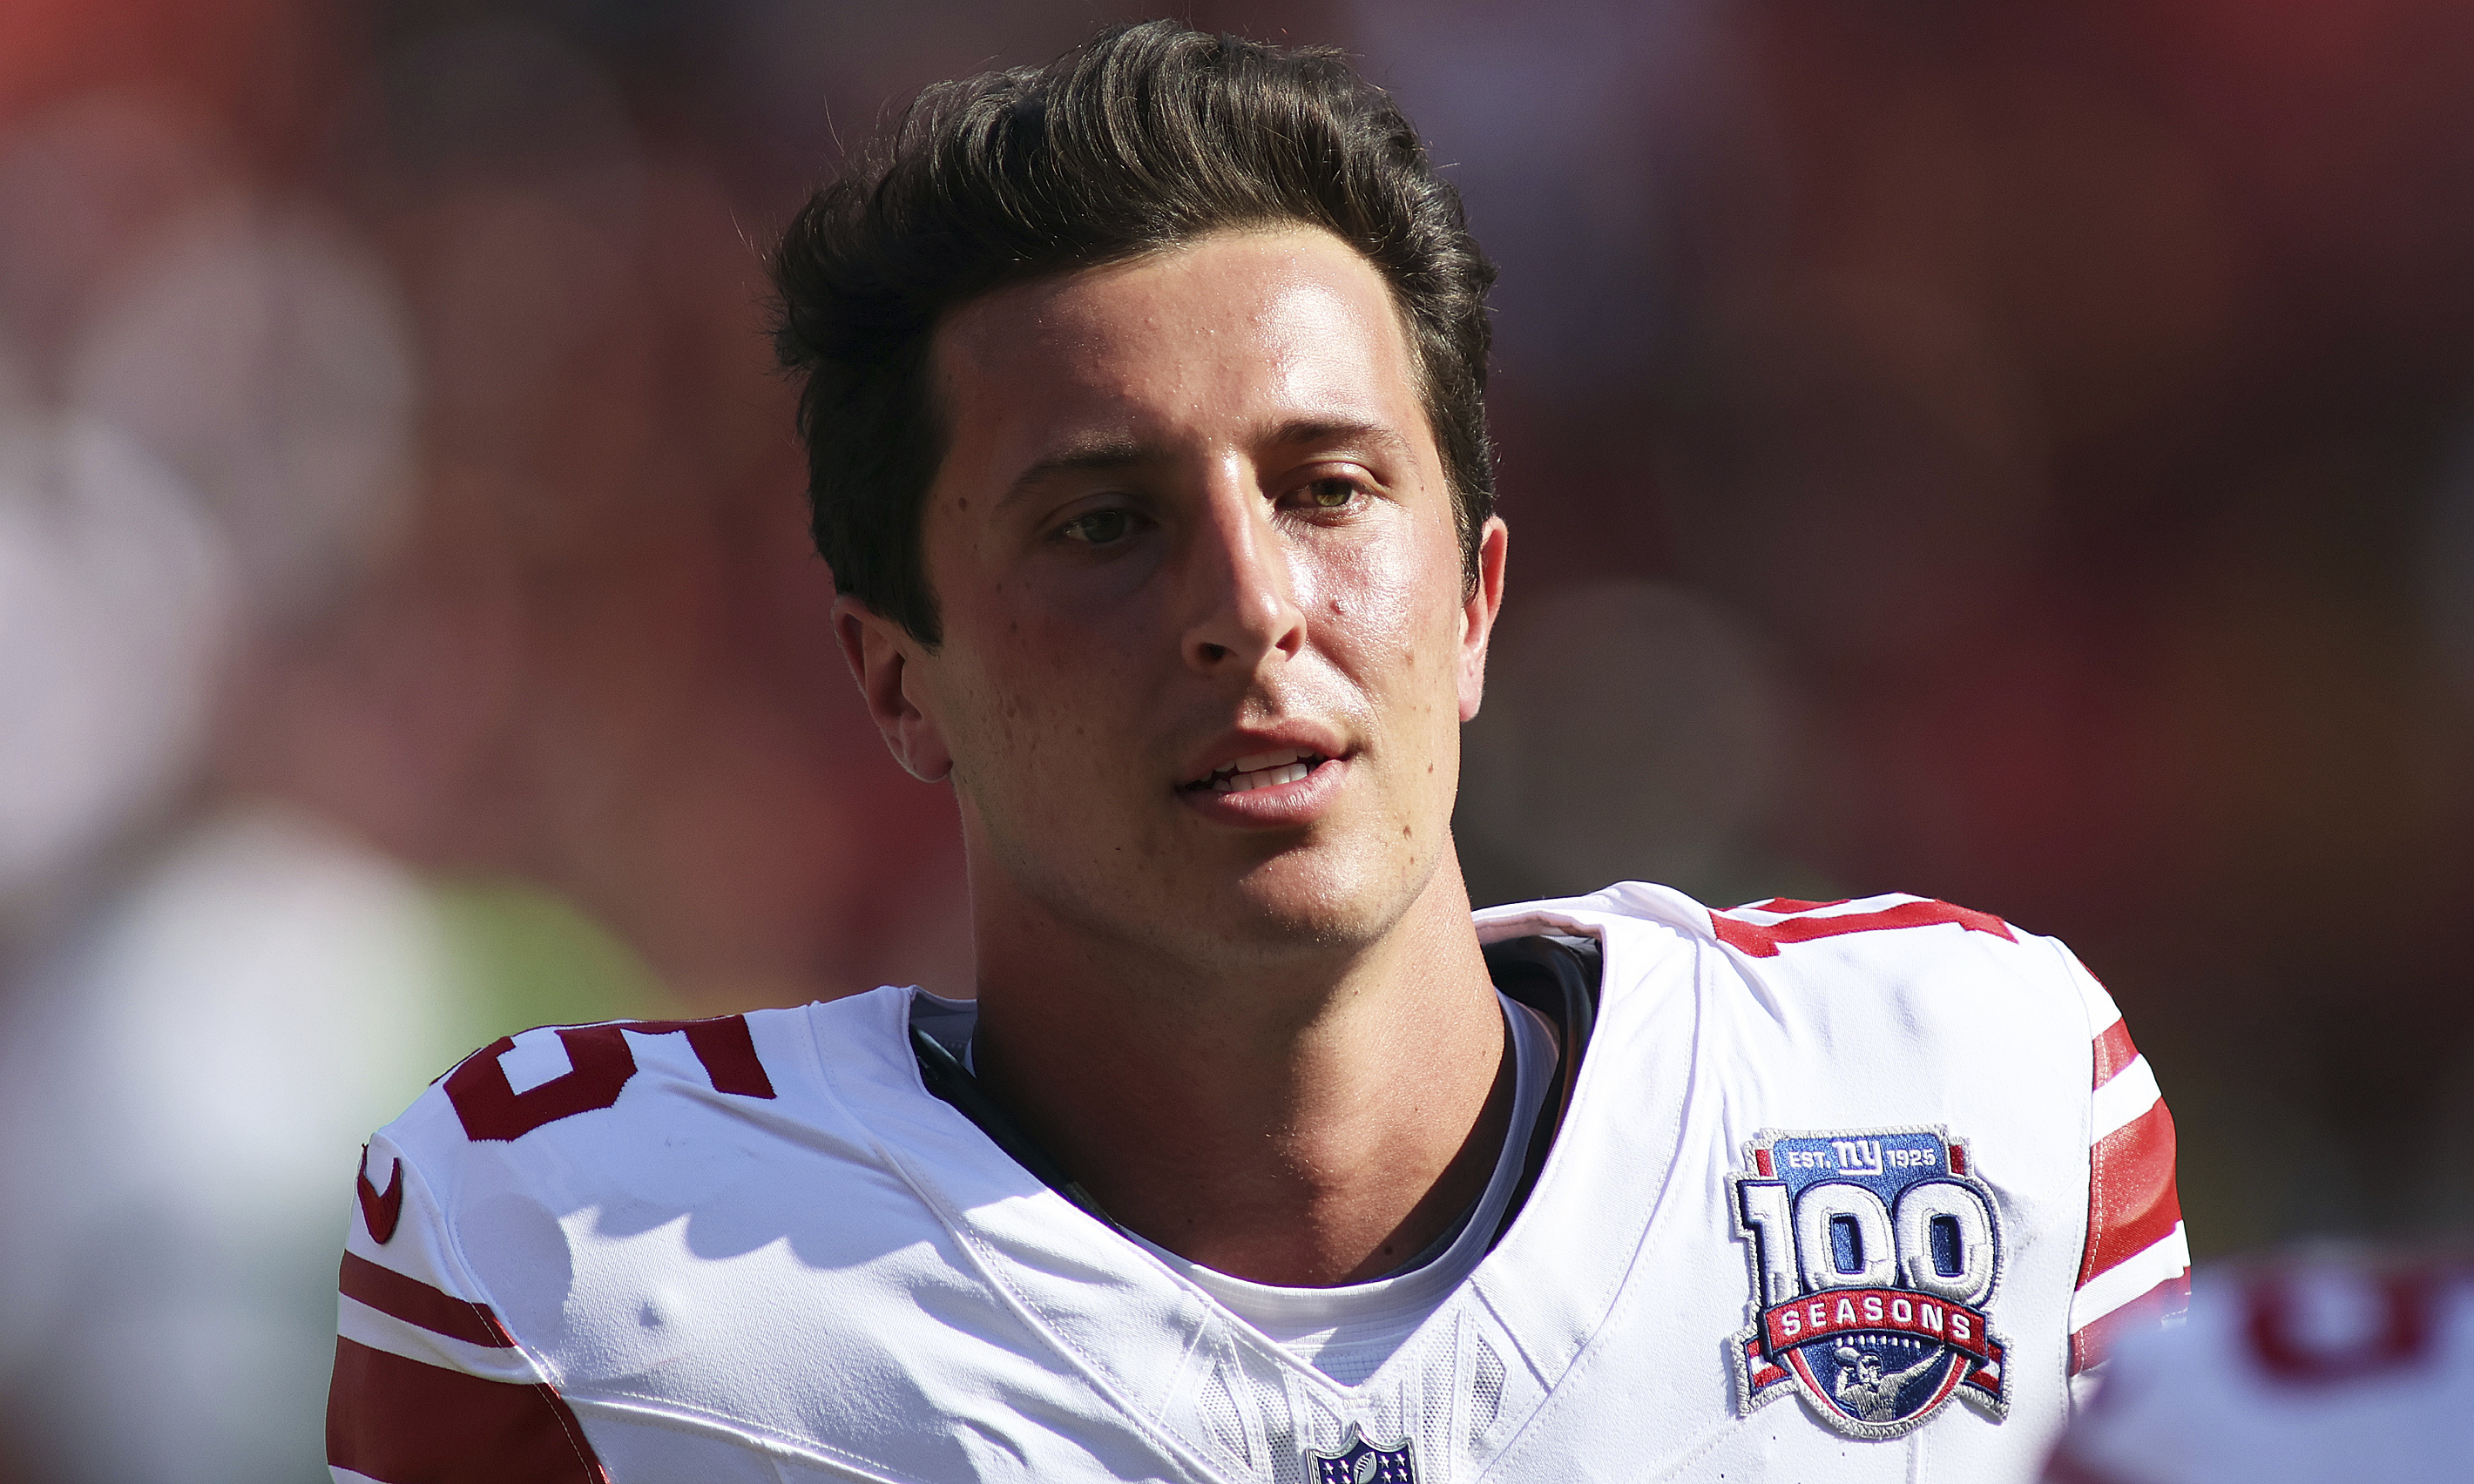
{"x": 1874, "y": 1256}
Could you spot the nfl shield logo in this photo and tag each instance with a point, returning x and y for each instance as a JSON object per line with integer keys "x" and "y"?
{"x": 1872, "y": 1254}
{"x": 1360, "y": 1462}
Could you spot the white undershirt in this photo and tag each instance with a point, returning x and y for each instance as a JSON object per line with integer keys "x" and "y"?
{"x": 1346, "y": 1332}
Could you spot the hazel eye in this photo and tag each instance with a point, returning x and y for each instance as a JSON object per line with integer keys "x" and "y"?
{"x": 1332, "y": 493}
{"x": 1099, "y": 528}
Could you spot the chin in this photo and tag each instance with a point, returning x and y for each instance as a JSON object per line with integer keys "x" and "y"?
{"x": 1326, "y": 899}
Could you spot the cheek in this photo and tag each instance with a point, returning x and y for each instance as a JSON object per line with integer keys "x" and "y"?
{"x": 1034, "y": 691}
{"x": 1393, "y": 611}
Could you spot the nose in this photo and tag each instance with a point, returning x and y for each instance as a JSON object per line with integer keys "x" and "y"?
{"x": 1245, "y": 609}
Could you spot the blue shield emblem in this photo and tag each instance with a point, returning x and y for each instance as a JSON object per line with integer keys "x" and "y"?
{"x": 1360, "y": 1462}
{"x": 1874, "y": 1254}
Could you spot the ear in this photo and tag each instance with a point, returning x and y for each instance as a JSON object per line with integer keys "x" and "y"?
{"x": 888, "y": 663}
{"x": 1477, "y": 614}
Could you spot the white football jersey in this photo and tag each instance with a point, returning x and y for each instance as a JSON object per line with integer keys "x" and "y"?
{"x": 1845, "y": 1190}
{"x": 2318, "y": 1369}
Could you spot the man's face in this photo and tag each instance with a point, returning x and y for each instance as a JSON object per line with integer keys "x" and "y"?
{"x": 1207, "y": 641}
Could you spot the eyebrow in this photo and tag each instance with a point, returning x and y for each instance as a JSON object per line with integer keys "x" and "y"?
{"x": 1104, "y": 453}
{"x": 1082, "y": 457}
{"x": 1331, "y": 430}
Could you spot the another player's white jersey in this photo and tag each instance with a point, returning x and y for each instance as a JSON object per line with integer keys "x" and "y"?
{"x": 2322, "y": 1369}
{"x": 1844, "y": 1191}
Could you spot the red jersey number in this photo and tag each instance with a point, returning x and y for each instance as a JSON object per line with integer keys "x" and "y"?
{"x": 599, "y": 1066}
{"x": 2403, "y": 1335}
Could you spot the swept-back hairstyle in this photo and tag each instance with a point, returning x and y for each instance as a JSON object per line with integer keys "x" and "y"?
{"x": 1144, "y": 138}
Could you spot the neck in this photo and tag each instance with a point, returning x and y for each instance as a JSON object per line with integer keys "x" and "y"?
{"x": 1303, "y": 1122}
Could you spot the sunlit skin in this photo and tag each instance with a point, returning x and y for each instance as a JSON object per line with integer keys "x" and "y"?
{"x": 1191, "y": 511}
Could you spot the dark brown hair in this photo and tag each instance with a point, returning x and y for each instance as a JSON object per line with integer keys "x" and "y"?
{"x": 1144, "y": 138}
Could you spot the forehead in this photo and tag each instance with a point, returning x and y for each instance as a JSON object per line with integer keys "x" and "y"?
{"x": 1229, "y": 329}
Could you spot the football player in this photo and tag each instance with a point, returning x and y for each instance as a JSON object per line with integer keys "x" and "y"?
{"x": 2308, "y": 1368}
{"x": 1143, "y": 401}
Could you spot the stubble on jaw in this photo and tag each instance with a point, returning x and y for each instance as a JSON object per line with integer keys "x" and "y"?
{"x": 1299, "y": 901}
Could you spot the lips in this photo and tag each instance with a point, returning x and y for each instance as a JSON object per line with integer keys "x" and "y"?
{"x": 1260, "y": 770}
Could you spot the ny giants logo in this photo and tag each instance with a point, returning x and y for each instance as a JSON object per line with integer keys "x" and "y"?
{"x": 1874, "y": 1254}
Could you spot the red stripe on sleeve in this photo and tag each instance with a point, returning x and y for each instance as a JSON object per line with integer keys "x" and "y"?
{"x": 402, "y": 1422}
{"x": 416, "y": 1303}
{"x": 2091, "y": 1344}
{"x": 2112, "y": 1052}
{"x": 1762, "y": 940}
{"x": 2131, "y": 1199}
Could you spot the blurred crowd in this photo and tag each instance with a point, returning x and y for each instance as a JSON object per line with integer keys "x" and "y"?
{"x": 2017, "y": 454}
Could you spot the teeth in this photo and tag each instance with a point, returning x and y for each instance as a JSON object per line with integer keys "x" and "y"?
{"x": 1245, "y": 780}
{"x": 1262, "y": 760}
